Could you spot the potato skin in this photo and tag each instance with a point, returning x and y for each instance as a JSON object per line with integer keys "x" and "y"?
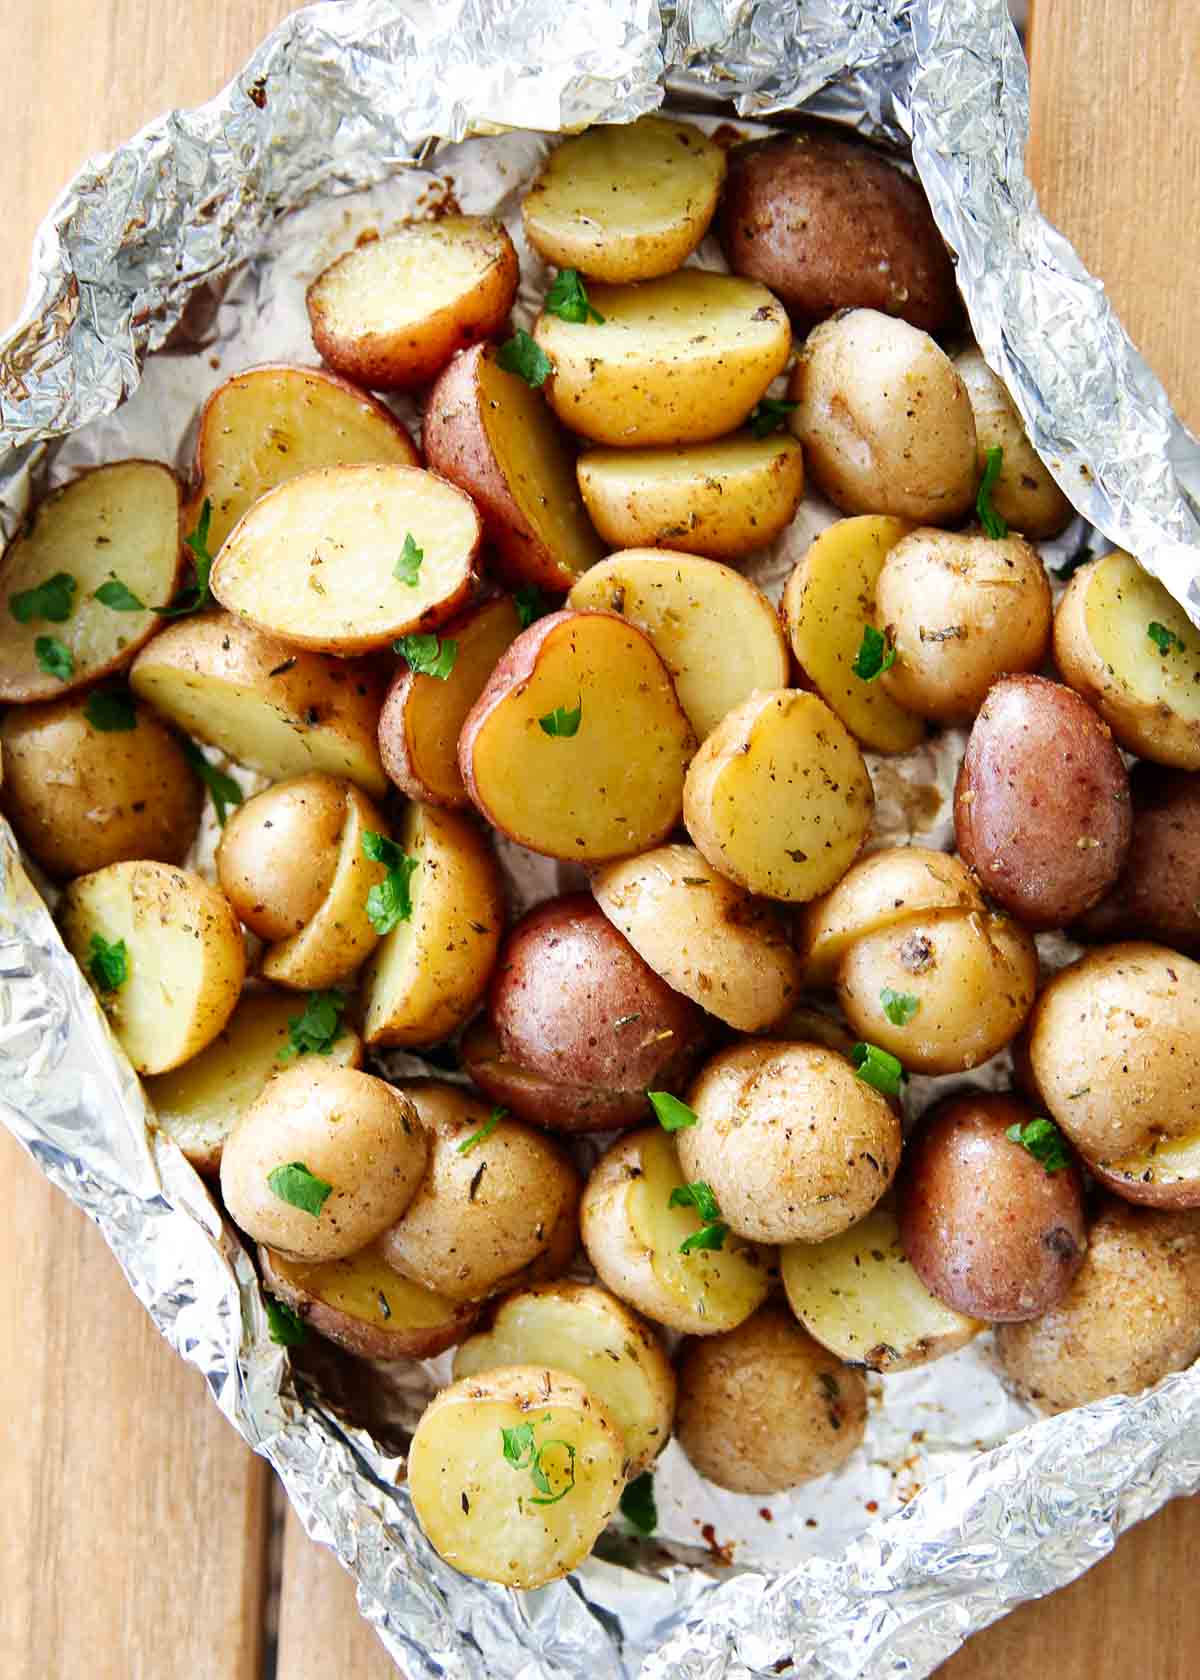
{"x": 555, "y": 1106}
{"x": 1042, "y": 811}
{"x": 986, "y": 1227}
{"x": 764, "y": 1407}
{"x": 356, "y": 1334}
{"x": 1157, "y": 894}
{"x": 827, "y": 223}
{"x": 277, "y": 853}
{"x": 1023, "y": 493}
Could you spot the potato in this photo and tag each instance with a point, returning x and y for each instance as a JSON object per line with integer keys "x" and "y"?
{"x": 973, "y": 975}
{"x": 356, "y": 1150}
{"x": 828, "y": 602}
{"x": 544, "y": 1102}
{"x": 277, "y": 853}
{"x": 365, "y": 1307}
{"x": 1114, "y": 1044}
{"x": 859, "y": 1296}
{"x": 200, "y": 1102}
{"x": 392, "y": 312}
{"x": 633, "y": 1237}
{"x": 625, "y": 201}
{"x": 960, "y": 611}
{"x": 988, "y": 1228}
{"x": 714, "y": 630}
{"x": 573, "y": 1001}
{"x": 706, "y": 937}
{"x": 880, "y": 891}
{"x": 1131, "y": 1317}
{"x": 268, "y": 706}
{"x": 828, "y": 223}
{"x": 1157, "y": 895}
{"x": 764, "y": 1407}
{"x": 184, "y": 957}
{"x": 423, "y": 715}
{"x": 807, "y": 1024}
{"x": 792, "y": 1143}
{"x": 80, "y": 798}
{"x": 271, "y": 423}
{"x": 489, "y": 433}
{"x": 678, "y": 360}
{"x": 1147, "y": 690}
{"x": 117, "y": 523}
{"x": 1041, "y": 805}
{"x": 778, "y": 797}
{"x": 577, "y": 746}
{"x": 470, "y": 1474}
{"x": 428, "y": 975}
{"x": 490, "y": 1214}
{"x": 586, "y": 1332}
{"x": 723, "y": 499}
{"x": 1023, "y": 492}
{"x": 885, "y": 420}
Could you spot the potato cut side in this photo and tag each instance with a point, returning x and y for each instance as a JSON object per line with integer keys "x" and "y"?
{"x": 428, "y": 975}
{"x": 120, "y": 522}
{"x": 1166, "y": 1175}
{"x": 327, "y": 561}
{"x": 827, "y": 604}
{"x": 625, "y": 201}
{"x": 583, "y": 1330}
{"x": 364, "y": 1306}
{"x": 723, "y": 499}
{"x": 271, "y": 707}
{"x": 472, "y": 1485}
{"x": 678, "y": 360}
{"x": 341, "y": 936}
{"x": 199, "y": 1103}
{"x": 271, "y": 423}
{"x": 858, "y": 1295}
{"x": 778, "y": 797}
{"x": 184, "y": 956}
{"x": 713, "y": 629}
{"x": 391, "y": 313}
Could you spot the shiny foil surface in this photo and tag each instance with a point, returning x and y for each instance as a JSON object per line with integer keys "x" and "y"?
{"x": 196, "y": 240}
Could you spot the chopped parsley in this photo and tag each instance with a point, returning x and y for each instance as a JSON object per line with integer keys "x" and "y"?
{"x": 530, "y": 604}
{"x": 637, "y": 1503}
{"x": 1044, "y": 1142}
{"x": 408, "y": 568}
{"x": 485, "y": 1131}
{"x": 299, "y": 1188}
{"x": 568, "y": 299}
{"x": 993, "y": 463}
{"x": 53, "y": 600}
{"x": 562, "y": 721}
{"x": 224, "y": 789}
{"x": 118, "y": 598}
{"x": 428, "y": 656}
{"x": 108, "y": 964}
{"x": 878, "y": 1068}
{"x": 770, "y": 415}
{"x": 196, "y": 595}
{"x": 286, "y": 1327}
{"x": 875, "y": 655}
{"x": 389, "y": 901}
{"x": 899, "y": 1007}
{"x": 54, "y": 657}
{"x": 111, "y": 711}
{"x": 523, "y": 356}
{"x": 521, "y": 1452}
{"x": 713, "y": 1231}
{"x": 673, "y": 1115}
{"x": 1166, "y": 641}
{"x": 317, "y": 1029}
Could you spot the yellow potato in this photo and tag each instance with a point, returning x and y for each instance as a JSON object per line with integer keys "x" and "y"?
{"x": 364, "y": 1306}
{"x": 1023, "y": 493}
{"x": 278, "y": 852}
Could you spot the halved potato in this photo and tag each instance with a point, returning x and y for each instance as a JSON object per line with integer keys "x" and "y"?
{"x": 1165, "y": 1175}
{"x": 625, "y": 201}
{"x": 428, "y": 975}
{"x": 858, "y": 1294}
{"x": 364, "y": 1306}
{"x": 778, "y": 797}
{"x": 326, "y": 561}
{"x": 199, "y": 1103}
{"x": 723, "y": 499}
{"x": 184, "y": 955}
{"x": 271, "y": 423}
{"x": 583, "y": 1330}
{"x": 489, "y": 433}
{"x": 828, "y": 602}
{"x": 120, "y": 522}
{"x": 392, "y": 312}
{"x": 577, "y": 746}
{"x": 678, "y": 360}
{"x": 423, "y": 715}
{"x": 469, "y": 1474}
{"x": 541, "y": 1101}
{"x": 713, "y": 629}
{"x": 278, "y": 853}
{"x": 1147, "y": 690}
{"x": 269, "y": 706}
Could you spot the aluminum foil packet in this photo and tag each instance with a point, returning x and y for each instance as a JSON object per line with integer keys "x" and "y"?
{"x": 195, "y": 241}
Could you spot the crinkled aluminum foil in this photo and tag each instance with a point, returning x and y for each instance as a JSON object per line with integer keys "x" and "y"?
{"x": 135, "y": 257}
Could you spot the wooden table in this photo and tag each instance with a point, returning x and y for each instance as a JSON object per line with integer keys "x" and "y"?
{"x": 133, "y": 1545}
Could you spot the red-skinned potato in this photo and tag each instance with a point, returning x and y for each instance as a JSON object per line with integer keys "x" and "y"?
{"x": 1157, "y": 895}
{"x": 555, "y": 1106}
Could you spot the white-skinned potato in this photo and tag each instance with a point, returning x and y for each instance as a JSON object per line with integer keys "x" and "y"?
{"x": 714, "y": 630}
{"x": 364, "y": 1306}
{"x": 273, "y": 708}
{"x": 480, "y": 1510}
{"x": 549, "y": 1103}
{"x": 278, "y": 851}
{"x": 184, "y": 955}
{"x": 358, "y": 1135}
{"x": 583, "y": 1330}
{"x": 391, "y": 313}
{"x": 778, "y": 797}
{"x": 1023, "y": 492}
{"x": 121, "y": 521}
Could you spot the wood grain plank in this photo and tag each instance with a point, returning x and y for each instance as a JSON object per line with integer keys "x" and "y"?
{"x": 318, "y": 1614}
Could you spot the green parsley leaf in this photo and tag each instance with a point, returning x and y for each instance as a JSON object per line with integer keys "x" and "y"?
{"x": 408, "y": 568}
{"x": 530, "y": 604}
{"x": 672, "y": 1115}
{"x": 287, "y": 1328}
{"x": 878, "y": 1068}
{"x": 53, "y": 600}
{"x": 899, "y": 1007}
{"x": 110, "y": 710}
{"x": 389, "y": 901}
{"x": 1166, "y": 641}
{"x": 708, "y": 1236}
{"x": 568, "y": 299}
{"x": 118, "y": 598}
{"x": 1044, "y": 1142}
{"x": 224, "y": 789}
{"x": 485, "y": 1131}
{"x": 526, "y": 358}
{"x": 299, "y": 1188}
{"x": 993, "y": 462}
{"x": 195, "y": 596}
{"x": 698, "y": 1195}
{"x": 108, "y": 964}
{"x": 770, "y": 415}
{"x": 875, "y": 655}
{"x": 541, "y": 1480}
{"x": 637, "y": 1503}
{"x": 562, "y": 721}
{"x": 54, "y": 657}
{"x": 518, "y": 1445}
{"x": 428, "y": 656}
{"x": 317, "y": 1030}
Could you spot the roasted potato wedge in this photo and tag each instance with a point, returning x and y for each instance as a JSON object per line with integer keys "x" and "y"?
{"x": 544, "y": 1102}
{"x": 365, "y": 1307}
{"x": 1023, "y": 492}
